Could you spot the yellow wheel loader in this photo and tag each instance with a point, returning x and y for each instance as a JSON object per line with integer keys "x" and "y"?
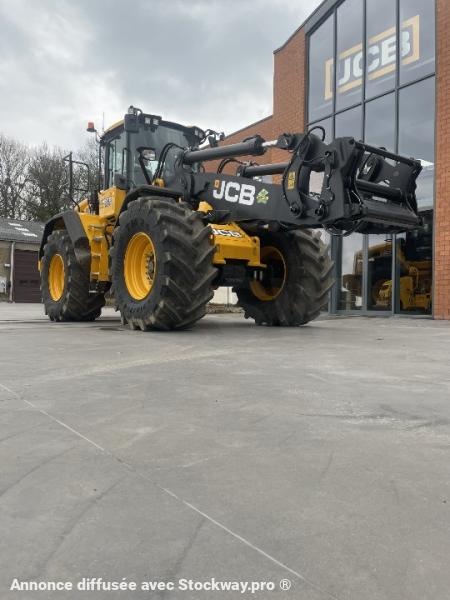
{"x": 415, "y": 274}
{"x": 415, "y": 285}
{"x": 162, "y": 232}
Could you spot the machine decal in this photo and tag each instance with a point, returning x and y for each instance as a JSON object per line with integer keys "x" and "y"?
{"x": 291, "y": 180}
{"x": 262, "y": 197}
{"x": 226, "y": 232}
{"x": 232, "y": 191}
{"x": 105, "y": 202}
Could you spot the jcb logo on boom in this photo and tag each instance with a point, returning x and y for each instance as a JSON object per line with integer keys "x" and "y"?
{"x": 232, "y": 191}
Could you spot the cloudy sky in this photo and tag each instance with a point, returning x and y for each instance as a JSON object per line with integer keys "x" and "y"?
{"x": 204, "y": 62}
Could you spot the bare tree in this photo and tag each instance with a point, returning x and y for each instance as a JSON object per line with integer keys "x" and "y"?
{"x": 14, "y": 161}
{"x": 34, "y": 184}
{"x": 47, "y": 183}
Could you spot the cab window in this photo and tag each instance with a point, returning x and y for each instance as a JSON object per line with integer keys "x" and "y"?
{"x": 116, "y": 158}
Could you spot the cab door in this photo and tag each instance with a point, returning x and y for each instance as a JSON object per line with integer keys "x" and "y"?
{"x": 116, "y": 164}
{"x": 116, "y": 155}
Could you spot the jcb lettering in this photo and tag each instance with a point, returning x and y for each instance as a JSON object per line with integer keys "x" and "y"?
{"x": 226, "y": 232}
{"x": 232, "y": 191}
{"x": 247, "y": 194}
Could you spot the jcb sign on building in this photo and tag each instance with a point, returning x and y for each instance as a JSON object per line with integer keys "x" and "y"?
{"x": 381, "y": 58}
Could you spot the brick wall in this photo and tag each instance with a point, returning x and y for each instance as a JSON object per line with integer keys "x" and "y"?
{"x": 441, "y": 300}
{"x": 289, "y": 82}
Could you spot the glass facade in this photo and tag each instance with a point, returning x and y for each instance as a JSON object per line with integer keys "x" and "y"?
{"x": 372, "y": 76}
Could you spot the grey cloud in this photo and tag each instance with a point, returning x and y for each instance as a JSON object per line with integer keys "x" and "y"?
{"x": 203, "y": 62}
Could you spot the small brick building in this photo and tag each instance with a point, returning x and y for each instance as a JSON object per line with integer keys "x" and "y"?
{"x": 19, "y": 246}
{"x": 344, "y": 69}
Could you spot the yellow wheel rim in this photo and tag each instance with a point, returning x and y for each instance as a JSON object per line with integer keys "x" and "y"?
{"x": 56, "y": 277}
{"x": 274, "y": 277}
{"x": 140, "y": 266}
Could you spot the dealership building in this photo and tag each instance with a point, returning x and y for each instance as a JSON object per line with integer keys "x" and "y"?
{"x": 377, "y": 70}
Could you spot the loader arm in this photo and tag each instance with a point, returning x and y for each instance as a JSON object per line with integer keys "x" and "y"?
{"x": 365, "y": 189}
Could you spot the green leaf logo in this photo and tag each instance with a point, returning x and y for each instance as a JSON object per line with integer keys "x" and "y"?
{"x": 262, "y": 197}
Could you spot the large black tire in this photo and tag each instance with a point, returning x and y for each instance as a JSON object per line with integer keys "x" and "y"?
{"x": 75, "y": 303}
{"x": 306, "y": 281}
{"x": 182, "y": 280}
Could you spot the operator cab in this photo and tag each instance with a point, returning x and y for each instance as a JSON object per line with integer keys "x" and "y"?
{"x": 133, "y": 147}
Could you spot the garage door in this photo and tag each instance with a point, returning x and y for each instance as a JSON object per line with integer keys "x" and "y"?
{"x": 26, "y": 277}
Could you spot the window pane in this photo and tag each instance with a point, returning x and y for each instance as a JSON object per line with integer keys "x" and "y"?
{"x": 415, "y": 268}
{"x": 418, "y": 35}
{"x": 350, "y": 297}
{"x": 348, "y": 123}
{"x": 380, "y": 122}
{"x": 115, "y": 157}
{"x": 349, "y": 69}
{"x": 416, "y": 134}
{"x": 381, "y": 46}
{"x": 321, "y": 47}
{"x": 379, "y": 272}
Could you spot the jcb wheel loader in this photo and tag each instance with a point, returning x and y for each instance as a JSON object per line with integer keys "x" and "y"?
{"x": 163, "y": 233}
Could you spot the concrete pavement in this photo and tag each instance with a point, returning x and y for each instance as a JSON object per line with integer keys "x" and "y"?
{"x": 318, "y": 455}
